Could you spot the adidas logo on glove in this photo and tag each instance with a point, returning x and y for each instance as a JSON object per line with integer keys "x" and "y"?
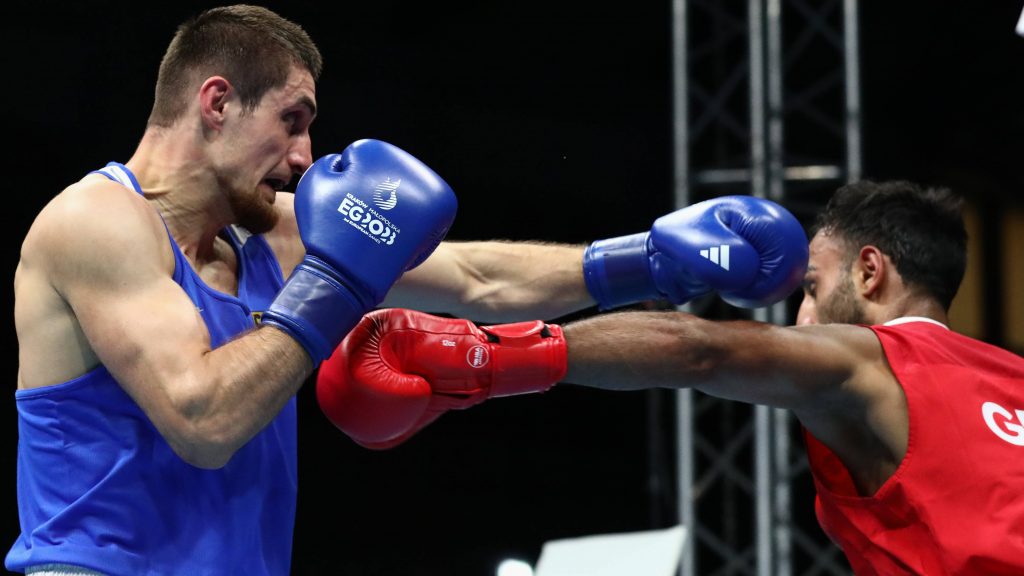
{"x": 718, "y": 254}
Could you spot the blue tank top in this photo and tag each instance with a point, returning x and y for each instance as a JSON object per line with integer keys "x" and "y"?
{"x": 99, "y": 487}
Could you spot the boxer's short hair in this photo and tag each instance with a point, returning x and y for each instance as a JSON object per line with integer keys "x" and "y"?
{"x": 254, "y": 48}
{"x": 920, "y": 229}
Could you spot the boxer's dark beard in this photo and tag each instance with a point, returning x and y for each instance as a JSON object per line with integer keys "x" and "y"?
{"x": 253, "y": 213}
{"x": 842, "y": 306}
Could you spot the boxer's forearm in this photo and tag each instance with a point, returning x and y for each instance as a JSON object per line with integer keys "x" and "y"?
{"x": 496, "y": 281}
{"x": 638, "y": 350}
{"x": 239, "y": 389}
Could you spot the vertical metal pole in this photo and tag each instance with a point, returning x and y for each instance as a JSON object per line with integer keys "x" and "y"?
{"x": 762, "y": 483}
{"x": 781, "y": 496}
{"x": 684, "y": 398}
{"x": 755, "y": 25}
{"x": 774, "y": 529}
{"x": 684, "y": 424}
{"x": 680, "y": 105}
{"x": 773, "y": 69}
{"x": 758, "y": 185}
{"x": 852, "y": 73}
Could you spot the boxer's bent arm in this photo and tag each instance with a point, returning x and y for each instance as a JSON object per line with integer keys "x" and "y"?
{"x": 496, "y": 281}
{"x": 105, "y": 252}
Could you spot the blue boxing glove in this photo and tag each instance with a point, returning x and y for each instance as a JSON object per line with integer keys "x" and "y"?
{"x": 365, "y": 216}
{"x": 752, "y": 251}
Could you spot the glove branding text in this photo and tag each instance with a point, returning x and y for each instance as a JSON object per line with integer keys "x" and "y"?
{"x": 369, "y": 221}
{"x": 477, "y": 357}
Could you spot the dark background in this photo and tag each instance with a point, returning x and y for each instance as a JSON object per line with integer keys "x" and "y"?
{"x": 551, "y": 121}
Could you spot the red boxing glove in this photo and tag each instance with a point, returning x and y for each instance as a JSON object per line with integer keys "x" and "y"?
{"x": 399, "y": 370}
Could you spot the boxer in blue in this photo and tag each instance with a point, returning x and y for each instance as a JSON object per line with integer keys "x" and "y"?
{"x": 156, "y": 415}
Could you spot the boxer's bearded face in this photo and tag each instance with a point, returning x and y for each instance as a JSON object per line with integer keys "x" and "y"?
{"x": 841, "y": 306}
{"x": 254, "y": 210}
{"x": 830, "y": 296}
{"x": 270, "y": 144}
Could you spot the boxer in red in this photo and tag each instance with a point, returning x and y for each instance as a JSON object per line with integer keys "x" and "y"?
{"x": 915, "y": 433}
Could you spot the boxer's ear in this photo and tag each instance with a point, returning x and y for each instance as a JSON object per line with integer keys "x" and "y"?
{"x": 870, "y": 271}
{"x": 213, "y": 99}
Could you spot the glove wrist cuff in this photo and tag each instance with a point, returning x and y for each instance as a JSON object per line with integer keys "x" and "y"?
{"x": 617, "y": 271}
{"x": 316, "y": 309}
{"x": 527, "y": 357}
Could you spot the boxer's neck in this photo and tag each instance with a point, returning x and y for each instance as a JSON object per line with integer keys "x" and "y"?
{"x": 892, "y": 297}
{"x": 903, "y": 304}
{"x": 179, "y": 181}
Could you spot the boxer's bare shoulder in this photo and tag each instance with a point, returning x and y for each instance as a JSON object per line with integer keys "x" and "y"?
{"x": 95, "y": 232}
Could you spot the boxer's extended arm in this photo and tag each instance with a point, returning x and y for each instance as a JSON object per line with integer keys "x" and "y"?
{"x": 499, "y": 281}
{"x": 496, "y": 281}
{"x": 815, "y": 370}
{"x": 834, "y": 377}
{"x": 399, "y": 370}
{"x": 788, "y": 367}
{"x": 106, "y": 254}
{"x": 677, "y": 260}
{"x": 490, "y": 281}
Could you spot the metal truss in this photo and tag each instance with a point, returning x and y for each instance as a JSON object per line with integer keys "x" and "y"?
{"x": 766, "y": 102}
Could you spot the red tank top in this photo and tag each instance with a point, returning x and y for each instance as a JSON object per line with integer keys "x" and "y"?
{"x": 955, "y": 504}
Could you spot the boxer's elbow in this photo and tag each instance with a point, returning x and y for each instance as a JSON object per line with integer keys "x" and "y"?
{"x": 202, "y": 445}
{"x": 201, "y": 433}
{"x": 204, "y": 456}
